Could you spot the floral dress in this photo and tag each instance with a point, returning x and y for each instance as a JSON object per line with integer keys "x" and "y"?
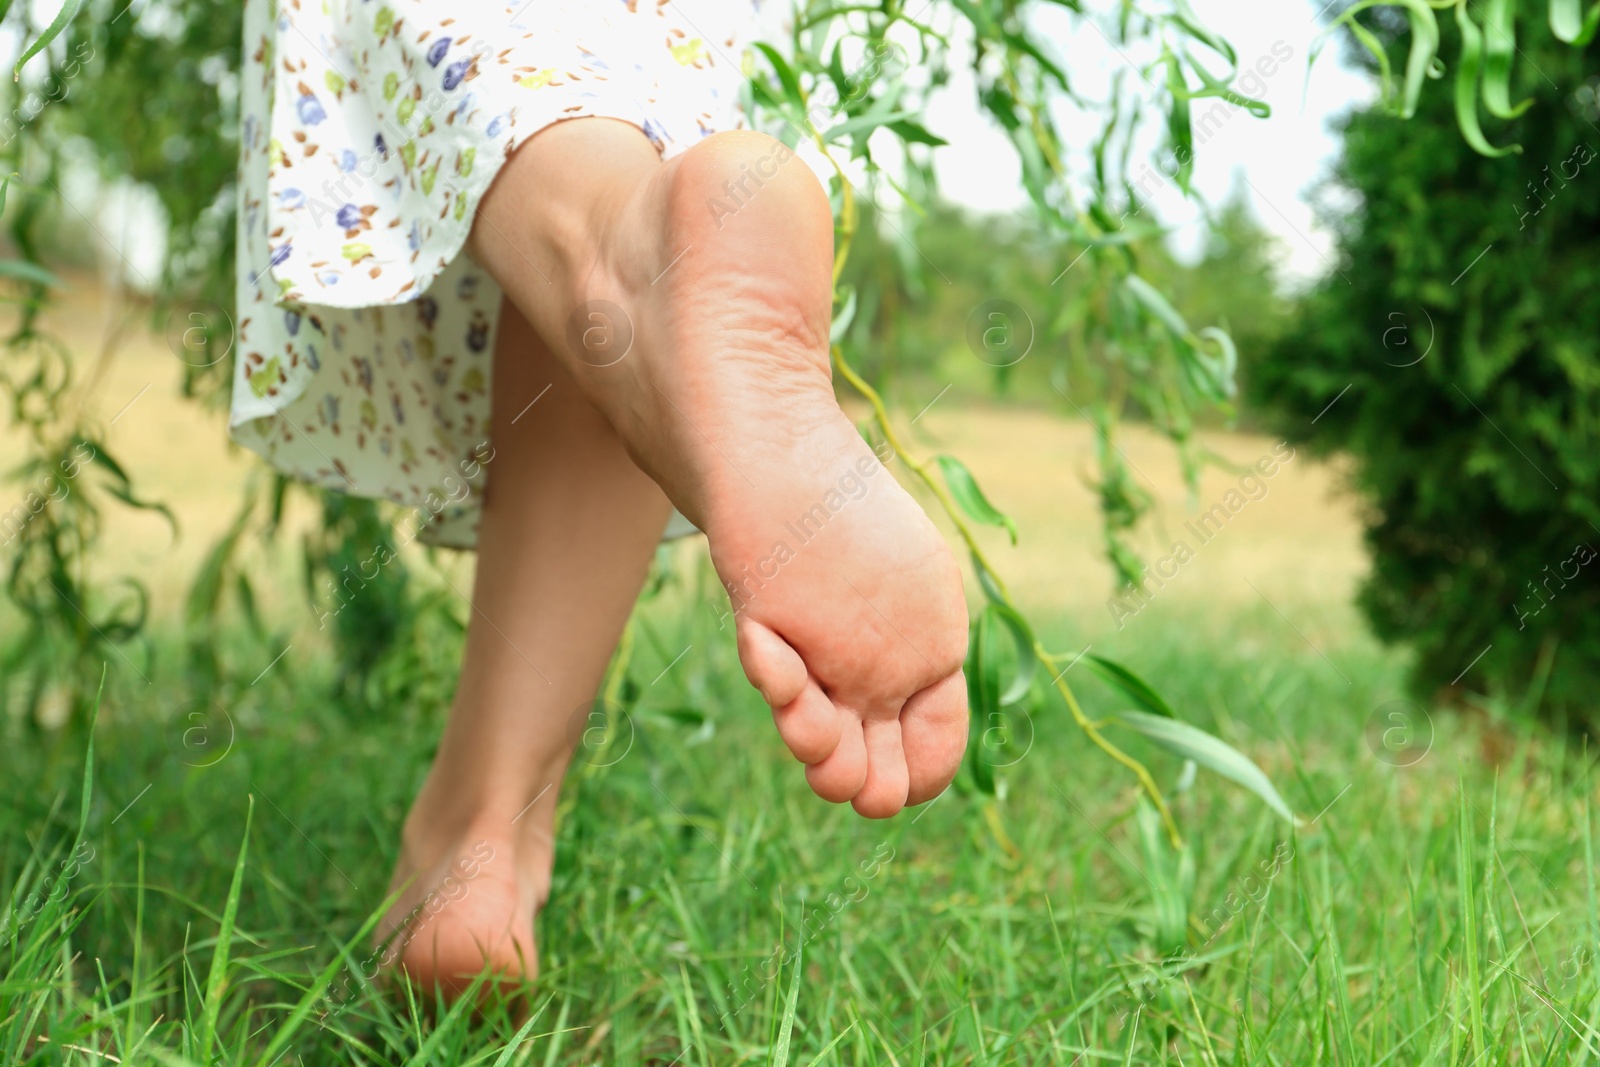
{"x": 370, "y": 130}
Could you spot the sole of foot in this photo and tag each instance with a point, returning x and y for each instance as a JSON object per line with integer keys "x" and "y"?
{"x": 849, "y": 609}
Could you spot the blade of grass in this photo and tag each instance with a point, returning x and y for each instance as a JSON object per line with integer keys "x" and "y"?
{"x": 218, "y": 976}
{"x": 517, "y": 1038}
{"x": 780, "y": 1052}
{"x": 313, "y": 993}
{"x": 1469, "y": 919}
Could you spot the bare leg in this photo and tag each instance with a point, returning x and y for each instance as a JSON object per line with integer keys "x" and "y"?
{"x": 568, "y": 530}
{"x": 706, "y": 283}
{"x": 684, "y": 309}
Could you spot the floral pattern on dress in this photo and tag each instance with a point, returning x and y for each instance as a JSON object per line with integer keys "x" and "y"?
{"x": 370, "y": 131}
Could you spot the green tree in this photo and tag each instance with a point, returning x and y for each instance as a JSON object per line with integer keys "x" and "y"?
{"x": 1453, "y": 354}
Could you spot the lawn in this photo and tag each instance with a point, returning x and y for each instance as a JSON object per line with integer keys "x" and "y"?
{"x": 1436, "y": 907}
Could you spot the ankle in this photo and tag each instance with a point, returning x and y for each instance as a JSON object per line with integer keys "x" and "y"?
{"x": 451, "y": 816}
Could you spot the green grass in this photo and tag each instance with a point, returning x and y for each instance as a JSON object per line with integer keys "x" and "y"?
{"x": 708, "y": 910}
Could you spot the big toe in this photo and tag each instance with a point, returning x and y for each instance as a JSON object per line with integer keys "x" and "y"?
{"x": 933, "y": 733}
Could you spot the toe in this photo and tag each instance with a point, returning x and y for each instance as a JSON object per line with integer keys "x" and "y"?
{"x": 840, "y": 776}
{"x": 933, "y": 731}
{"x": 770, "y": 664}
{"x": 809, "y": 724}
{"x": 884, "y": 792}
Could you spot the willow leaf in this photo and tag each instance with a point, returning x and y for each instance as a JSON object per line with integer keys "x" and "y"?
{"x": 1131, "y": 685}
{"x": 983, "y": 688}
{"x": 786, "y": 76}
{"x": 24, "y": 271}
{"x": 1190, "y": 23}
{"x": 970, "y": 499}
{"x": 1158, "y": 305}
{"x": 1570, "y": 25}
{"x": 1499, "y": 47}
{"x": 1223, "y": 366}
{"x": 51, "y": 32}
{"x": 844, "y": 316}
{"x": 1179, "y": 127}
{"x": 1424, "y": 44}
{"x": 1208, "y": 751}
{"x": 1467, "y": 87}
{"x": 1027, "y": 659}
{"x": 1424, "y": 49}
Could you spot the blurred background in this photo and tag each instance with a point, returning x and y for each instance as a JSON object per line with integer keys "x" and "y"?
{"x": 1294, "y": 406}
{"x": 1405, "y": 310}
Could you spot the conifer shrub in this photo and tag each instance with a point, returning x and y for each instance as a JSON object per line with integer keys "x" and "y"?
{"x": 1452, "y": 352}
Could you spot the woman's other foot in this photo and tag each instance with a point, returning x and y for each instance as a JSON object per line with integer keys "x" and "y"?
{"x": 470, "y": 886}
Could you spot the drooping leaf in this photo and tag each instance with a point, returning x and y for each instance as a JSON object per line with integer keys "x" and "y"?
{"x": 844, "y": 316}
{"x": 1190, "y": 22}
{"x": 1223, "y": 366}
{"x": 1027, "y": 658}
{"x": 1499, "y": 48}
{"x": 786, "y": 76}
{"x": 1208, "y": 751}
{"x": 1570, "y": 25}
{"x": 1130, "y": 685}
{"x": 1153, "y": 301}
{"x": 988, "y": 582}
{"x": 964, "y": 490}
{"x": 983, "y": 699}
{"x": 206, "y": 589}
{"x": 1180, "y": 130}
{"x": 1424, "y": 44}
{"x": 23, "y": 271}
{"x": 1424, "y": 49}
{"x": 51, "y": 32}
{"x": 914, "y": 133}
{"x": 1466, "y": 88}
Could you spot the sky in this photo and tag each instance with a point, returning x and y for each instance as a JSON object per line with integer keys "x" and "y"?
{"x": 1282, "y": 156}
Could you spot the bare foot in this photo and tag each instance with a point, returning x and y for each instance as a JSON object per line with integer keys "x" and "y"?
{"x": 469, "y": 896}
{"x": 850, "y": 615}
